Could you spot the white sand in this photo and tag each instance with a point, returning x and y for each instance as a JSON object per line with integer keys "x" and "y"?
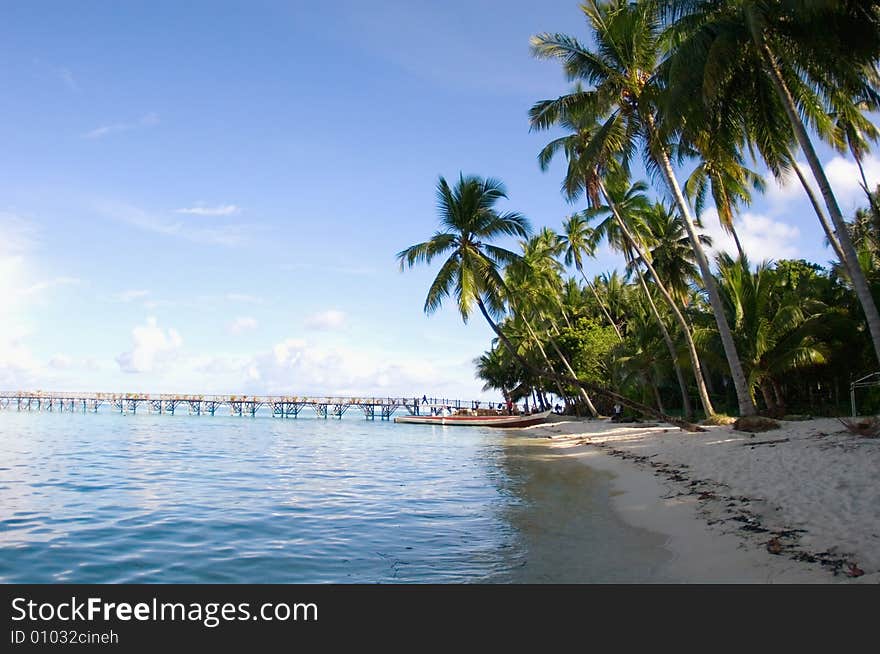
{"x": 722, "y": 496}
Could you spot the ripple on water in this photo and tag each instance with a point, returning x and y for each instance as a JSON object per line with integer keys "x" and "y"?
{"x": 176, "y": 499}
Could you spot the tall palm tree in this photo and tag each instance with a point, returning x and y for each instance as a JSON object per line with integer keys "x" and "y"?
{"x": 623, "y": 101}
{"x": 472, "y": 270}
{"x": 586, "y": 156}
{"x": 815, "y": 56}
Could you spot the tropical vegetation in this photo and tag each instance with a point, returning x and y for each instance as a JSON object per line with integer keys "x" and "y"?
{"x": 697, "y": 95}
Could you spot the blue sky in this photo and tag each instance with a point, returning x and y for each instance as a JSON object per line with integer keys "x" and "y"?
{"x": 208, "y": 197}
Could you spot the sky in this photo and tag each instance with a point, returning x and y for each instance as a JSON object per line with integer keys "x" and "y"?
{"x": 208, "y": 197}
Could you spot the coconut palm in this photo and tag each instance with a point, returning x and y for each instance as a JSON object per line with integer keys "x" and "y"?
{"x": 817, "y": 57}
{"x": 499, "y": 372}
{"x": 535, "y": 291}
{"x": 721, "y": 172}
{"x": 777, "y": 331}
{"x": 669, "y": 249}
{"x": 623, "y": 102}
{"x": 583, "y": 178}
{"x": 472, "y": 270}
{"x": 577, "y": 239}
{"x": 625, "y": 235}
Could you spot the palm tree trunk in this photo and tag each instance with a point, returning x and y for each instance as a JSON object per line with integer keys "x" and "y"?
{"x": 857, "y": 275}
{"x": 767, "y": 392}
{"x": 780, "y": 396}
{"x": 601, "y": 304}
{"x": 744, "y": 399}
{"x": 872, "y": 203}
{"x": 650, "y": 380}
{"x": 594, "y": 388}
{"x": 586, "y": 398}
{"x": 673, "y": 355}
{"x": 692, "y": 348}
{"x": 739, "y": 247}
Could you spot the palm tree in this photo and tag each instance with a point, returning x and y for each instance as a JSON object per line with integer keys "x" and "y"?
{"x": 623, "y": 101}
{"x": 721, "y": 173}
{"x": 577, "y": 239}
{"x": 624, "y": 234}
{"x": 662, "y": 231}
{"x": 536, "y": 288}
{"x": 817, "y": 57}
{"x": 469, "y": 221}
{"x": 472, "y": 270}
{"x": 777, "y": 331}
{"x": 498, "y": 372}
{"x": 643, "y": 353}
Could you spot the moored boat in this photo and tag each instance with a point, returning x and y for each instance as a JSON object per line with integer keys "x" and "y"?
{"x": 477, "y": 421}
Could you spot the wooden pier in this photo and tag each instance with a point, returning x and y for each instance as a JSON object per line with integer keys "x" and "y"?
{"x": 238, "y": 405}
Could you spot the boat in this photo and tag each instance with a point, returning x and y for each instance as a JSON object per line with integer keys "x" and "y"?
{"x": 465, "y": 420}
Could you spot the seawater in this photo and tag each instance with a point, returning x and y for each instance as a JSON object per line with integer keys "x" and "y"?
{"x": 119, "y": 498}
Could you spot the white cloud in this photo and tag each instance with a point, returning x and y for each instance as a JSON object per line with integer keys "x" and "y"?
{"x": 298, "y": 366}
{"x": 152, "y": 347}
{"x": 843, "y": 174}
{"x": 219, "y": 210}
{"x": 762, "y": 237}
{"x": 47, "y": 284}
{"x": 228, "y": 235}
{"x": 148, "y": 120}
{"x": 780, "y": 193}
{"x": 325, "y": 320}
{"x": 242, "y": 324}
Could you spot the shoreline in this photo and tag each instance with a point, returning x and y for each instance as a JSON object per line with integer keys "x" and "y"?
{"x": 793, "y": 505}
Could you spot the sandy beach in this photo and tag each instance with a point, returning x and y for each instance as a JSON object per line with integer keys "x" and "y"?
{"x": 793, "y": 505}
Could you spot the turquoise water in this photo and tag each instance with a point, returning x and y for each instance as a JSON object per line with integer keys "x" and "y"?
{"x": 113, "y": 498}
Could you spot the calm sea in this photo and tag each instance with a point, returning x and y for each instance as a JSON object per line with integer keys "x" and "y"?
{"x": 173, "y": 499}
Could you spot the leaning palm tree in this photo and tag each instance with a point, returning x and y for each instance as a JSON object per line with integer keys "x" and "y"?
{"x": 817, "y": 57}
{"x": 472, "y": 270}
{"x": 625, "y": 230}
{"x": 623, "y": 104}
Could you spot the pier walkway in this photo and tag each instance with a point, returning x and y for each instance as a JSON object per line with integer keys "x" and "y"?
{"x": 287, "y": 406}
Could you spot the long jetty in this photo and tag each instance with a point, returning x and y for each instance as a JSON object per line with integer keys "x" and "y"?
{"x": 239, "y": 405}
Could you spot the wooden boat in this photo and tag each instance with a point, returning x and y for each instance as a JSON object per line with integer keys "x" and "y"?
{"x": 477, "y": 421}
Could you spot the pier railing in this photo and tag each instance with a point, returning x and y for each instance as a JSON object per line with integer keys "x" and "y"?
{"x": 281, "y": 406}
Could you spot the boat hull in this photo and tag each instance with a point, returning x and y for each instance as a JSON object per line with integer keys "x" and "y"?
{"x": 476, "y": 421}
